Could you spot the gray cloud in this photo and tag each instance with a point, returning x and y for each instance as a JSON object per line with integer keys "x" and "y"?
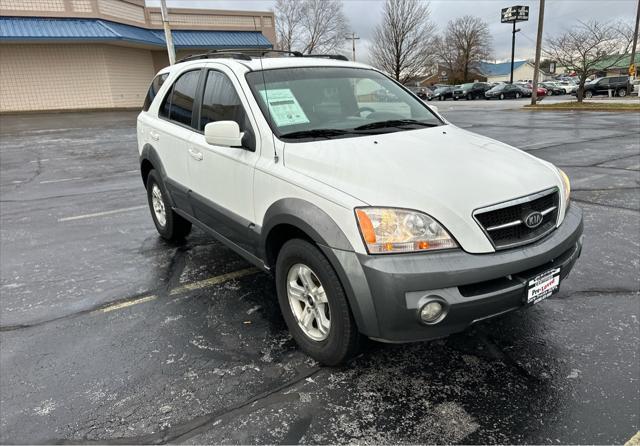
{"x": 364, "y": 15}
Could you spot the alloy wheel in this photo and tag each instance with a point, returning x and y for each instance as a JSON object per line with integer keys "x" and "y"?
{"x": 308, "y": 302}
{"x": 158, "y": 205}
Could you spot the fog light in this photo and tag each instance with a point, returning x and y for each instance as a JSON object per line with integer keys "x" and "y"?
{"x": 432, "y": 311}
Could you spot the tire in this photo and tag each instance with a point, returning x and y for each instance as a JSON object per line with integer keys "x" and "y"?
{"x": 469, "y": 97}
{"x": 517, "y": 95}
{"x": 549, "y": 93}
{"x": 622, "y": 92}
{"x": 342, "y": 340}
{"x": 501, "y": 96}
{"x": 174, "y": 227}
{"x": 588, "y": 94}
{"x": 455, "y": 98}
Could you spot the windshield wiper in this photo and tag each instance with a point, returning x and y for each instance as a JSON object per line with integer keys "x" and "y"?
{"x": 313, "y": 133}
{"x": 394, "y": 123}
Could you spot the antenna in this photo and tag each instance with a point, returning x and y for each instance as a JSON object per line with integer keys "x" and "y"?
{"x": 266, "y": 92}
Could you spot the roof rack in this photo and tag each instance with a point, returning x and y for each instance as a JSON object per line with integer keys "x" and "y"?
{"x": 246, "y": 53}
{"x": 327, "y": 56}
{"x": 238, "y": 53}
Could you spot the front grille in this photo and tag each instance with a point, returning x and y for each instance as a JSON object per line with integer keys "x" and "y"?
{"x": 504, "y": 223}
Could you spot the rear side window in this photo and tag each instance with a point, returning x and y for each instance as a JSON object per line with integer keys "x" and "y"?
{"x": 178, "y": 104}
{"x": 153, "y": 90}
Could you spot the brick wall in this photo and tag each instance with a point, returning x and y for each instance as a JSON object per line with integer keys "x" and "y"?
{"x": 68, "y": 76}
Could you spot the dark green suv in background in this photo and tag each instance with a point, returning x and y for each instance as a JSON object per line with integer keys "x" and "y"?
{"x": 617, "y": 85}
{"x": 473, "y": 90}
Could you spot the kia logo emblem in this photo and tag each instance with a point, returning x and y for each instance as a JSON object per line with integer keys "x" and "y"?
{"x": 533, "y": 219}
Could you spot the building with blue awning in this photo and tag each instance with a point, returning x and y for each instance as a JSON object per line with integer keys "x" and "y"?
{"x": 102, "y": 54}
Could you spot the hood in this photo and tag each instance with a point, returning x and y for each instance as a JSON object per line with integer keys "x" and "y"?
{"x": 443, "y": 171}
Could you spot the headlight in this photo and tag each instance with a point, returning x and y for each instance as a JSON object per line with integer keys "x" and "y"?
{"x": 566, "y": 187}
{"x": 388, "y": 230}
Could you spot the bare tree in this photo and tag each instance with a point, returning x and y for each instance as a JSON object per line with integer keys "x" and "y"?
{"x": 288, "y": 27}
{"x": 464, "y": 44}
{"x": 588, "y": 48}
{"x": 403, "y": 40}
{"x": 310, "y": 26}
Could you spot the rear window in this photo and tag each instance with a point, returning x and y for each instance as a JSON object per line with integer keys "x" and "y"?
{"x": 153, "y": 90}
{"x": 178, "y": 104}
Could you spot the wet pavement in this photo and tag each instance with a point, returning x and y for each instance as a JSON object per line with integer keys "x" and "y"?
{"x": 110, "y": 335}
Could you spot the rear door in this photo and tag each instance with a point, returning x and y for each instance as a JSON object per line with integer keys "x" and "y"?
{"x": 221, "y": 177}
{"x": 173, "y": 132}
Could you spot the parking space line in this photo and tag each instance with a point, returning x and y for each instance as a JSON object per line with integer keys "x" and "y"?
{"x": 128, "y": 303}
{"x": 62, "y": 180}
{"x": 101, "y": 214}
{"x": 213, "y": 281}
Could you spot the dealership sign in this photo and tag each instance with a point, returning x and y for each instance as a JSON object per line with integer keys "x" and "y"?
{"x": 515, "y": 14}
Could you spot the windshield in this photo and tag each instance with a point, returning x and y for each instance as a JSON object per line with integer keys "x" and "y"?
{"x": 335, "y": 102}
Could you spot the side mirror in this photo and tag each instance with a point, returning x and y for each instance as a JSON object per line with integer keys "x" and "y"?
{"x": 223, "y": 133}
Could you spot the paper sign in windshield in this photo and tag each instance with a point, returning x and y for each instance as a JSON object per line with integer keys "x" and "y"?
{"x": 284, "y": 107}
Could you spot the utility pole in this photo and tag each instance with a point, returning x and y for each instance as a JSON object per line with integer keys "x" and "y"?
{"x": 167, "y": 32}
{"x": 632, "y": 62}
{"x": 353, "y": 39}
{"x": 536, "y": 70}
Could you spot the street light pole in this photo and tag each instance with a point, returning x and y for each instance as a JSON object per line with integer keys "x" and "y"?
{"x": 167, "y": 32}
{"x": 632, "y": 62}
{"x": 353, "y": 39}
{"x": 513, "y": 50}
{"x": 536, "y": 70}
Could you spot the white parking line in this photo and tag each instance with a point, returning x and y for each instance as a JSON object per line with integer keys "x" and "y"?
{"x": 101, "y": 214}
{"x": 213, "y": 281}
{"x": 60, "y": 181}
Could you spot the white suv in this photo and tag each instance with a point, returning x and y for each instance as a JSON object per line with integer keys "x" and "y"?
{"x": 376, "y": 216}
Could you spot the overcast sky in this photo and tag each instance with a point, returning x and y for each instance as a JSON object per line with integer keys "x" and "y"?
{"x": 364, "y": 15}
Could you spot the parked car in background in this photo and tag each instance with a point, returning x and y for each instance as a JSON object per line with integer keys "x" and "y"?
{"x": 553, "y": 88}
{"x": 525, "y": 88}
{"x": 469, "y": 91}
{"x": 636, "y": 86}
{"x": 567, "y": 85}
{"x": 504, "y": 91}
{"x": 602, "y": 85}
{"x": 443, "y": 93}
{"x": 423, "y": 93}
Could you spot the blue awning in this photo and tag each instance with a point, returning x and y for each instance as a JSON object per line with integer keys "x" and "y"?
{"x": 498, "y": 69}
{"x": 37, "y": 29}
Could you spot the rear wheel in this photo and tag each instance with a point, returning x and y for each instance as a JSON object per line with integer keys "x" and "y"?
{"x": 622, "y": 92}
{"x": 588, "y": 94}
{"x": 501, "y": 96}
{"x": 169, "y": 225}
{"x": 314, "y": 305}
{"x": 517, "y": 95}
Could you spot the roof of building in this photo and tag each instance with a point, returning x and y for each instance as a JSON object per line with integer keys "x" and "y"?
{"x": 40, "y": 29}
{"x": 616, "y": 61}
{"x": 498, "y": 69}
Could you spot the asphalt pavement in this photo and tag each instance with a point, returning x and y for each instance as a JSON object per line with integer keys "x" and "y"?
{"x": 110, "y": 335}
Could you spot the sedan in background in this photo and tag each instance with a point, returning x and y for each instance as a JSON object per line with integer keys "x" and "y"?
{"x": 504, "y": 91}
{"x": 552, "y": 88}
{"x": 443, "y": 93}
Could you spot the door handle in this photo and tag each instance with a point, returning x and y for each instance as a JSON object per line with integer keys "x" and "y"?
{"x": 154, "y": 135}
{"x": 195, "y": 154}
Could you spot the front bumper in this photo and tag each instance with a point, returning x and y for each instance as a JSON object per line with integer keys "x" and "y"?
{"x": 392, "y": 288}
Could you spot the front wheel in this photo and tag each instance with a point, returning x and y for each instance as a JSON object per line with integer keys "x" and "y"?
{"x": 501, "y": 95}
{"x": 314, "y": 305}
{"x": 622, "y": 92}
{"x": 588, "y": 94}
{"x": 169, "y": 225}
{"x": 517, "y": 95}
